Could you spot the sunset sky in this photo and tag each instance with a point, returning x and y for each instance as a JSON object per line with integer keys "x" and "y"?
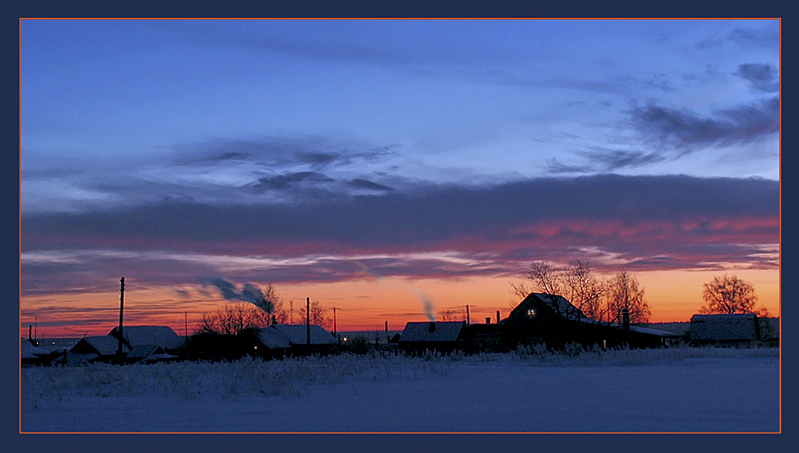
{"x": 379, "y": 165}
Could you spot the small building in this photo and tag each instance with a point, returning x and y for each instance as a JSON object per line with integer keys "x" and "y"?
{"x": 273, "y": 342}
{"x": 31, "y": 354}
{"x": 101, "y": 348}
{"x": 735, "y": 328}
{"x": 159, "y": 336}
{"x": 431, "y": 335}
{"x": 303, "y": 339}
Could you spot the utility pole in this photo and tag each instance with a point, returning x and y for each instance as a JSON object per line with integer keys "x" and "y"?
{"x": 121, "y": 308}
{"x": 186, "y": 324}
{"x": 334, "y": 321}
{"x": 468, "y": 321}
{"x": 291, "y": 304}
{"x": 308, "y": 319}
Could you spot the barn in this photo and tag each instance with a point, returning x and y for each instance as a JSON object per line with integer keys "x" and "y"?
{"x": 735, "y": 328}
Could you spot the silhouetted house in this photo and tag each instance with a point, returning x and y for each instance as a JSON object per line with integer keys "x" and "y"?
{"x": 734, "y": 328}
{"x": 96, "y": 348}
{"x": 440, "y": 336}
{"x": 274, "y": 343}
{"x": 158, "y": 336}
{"x": 552, "y": 320}
{"x": 320, "y": 341}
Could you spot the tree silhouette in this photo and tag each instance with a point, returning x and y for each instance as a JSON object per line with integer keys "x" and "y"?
{"x": 576, "y": 283}
{"x": 730, "y": 295}
{"x": 624, "y": 291}
{"x": 317, "y": 317}
{"x": 234, "y": 319}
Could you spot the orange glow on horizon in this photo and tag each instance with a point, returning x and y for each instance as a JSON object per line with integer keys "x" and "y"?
{"x": 361, "y": 305}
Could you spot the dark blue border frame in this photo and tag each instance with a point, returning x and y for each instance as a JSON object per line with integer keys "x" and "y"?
{"x": 9, "y": 263}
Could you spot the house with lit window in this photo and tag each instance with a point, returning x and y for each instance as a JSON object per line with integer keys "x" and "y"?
{"x": 552, "y": 320}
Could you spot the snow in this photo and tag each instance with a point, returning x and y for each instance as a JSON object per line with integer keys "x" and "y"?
{"x": 668, "y": 390}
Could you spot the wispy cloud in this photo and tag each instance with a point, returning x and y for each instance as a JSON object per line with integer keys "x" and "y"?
{"x": 445, "y": 232}
{"x": 763, "y": 77}
{"x": 688, "y": 131}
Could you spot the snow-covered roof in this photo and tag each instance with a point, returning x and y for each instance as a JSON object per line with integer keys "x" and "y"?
{"x": 431, "y": 331}
{"x": 273, "y": 338}
{"x": 297, "y": 334}
{"x": 724, "y": 327}
{"x": 29, "y": 351}
{"x": 656, "y": 332}
{"x": 143, "y": 351}
{"x": 162, "y": 336}
{"x": 103, "y": 345}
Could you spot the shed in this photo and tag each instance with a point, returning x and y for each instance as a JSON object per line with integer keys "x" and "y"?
{"x": 724, "y": 328}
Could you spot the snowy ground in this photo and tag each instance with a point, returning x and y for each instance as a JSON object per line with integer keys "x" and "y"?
{"x": 673, "y": 390}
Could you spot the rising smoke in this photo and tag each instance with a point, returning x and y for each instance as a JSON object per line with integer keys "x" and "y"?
{"x": 249, "y": 292}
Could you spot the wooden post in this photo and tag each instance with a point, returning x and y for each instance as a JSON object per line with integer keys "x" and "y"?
{"x": 121, "y": 308}
{"x": 308, "y": 319}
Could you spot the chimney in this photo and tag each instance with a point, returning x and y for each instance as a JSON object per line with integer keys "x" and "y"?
{"x": 488, "y": 320}
{"x": 497, "y": 316}
{"x": 625, "y": 318}
{"x": 432, "y": 327}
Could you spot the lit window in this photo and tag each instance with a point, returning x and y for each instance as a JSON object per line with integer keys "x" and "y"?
{"x": 531, "y": 313}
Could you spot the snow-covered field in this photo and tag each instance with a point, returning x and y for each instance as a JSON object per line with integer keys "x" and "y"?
{"x": 668, "y": 390}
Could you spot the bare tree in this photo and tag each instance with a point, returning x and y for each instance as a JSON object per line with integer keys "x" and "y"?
{"x": 730, "y": 295}
{"x": 273, "y": 301}
{"x": 451, "y": 315}
{"x": 624, "y": 291}
{"x": 583, "y": 290}
{"x": 317, "y": 315}
{"x": 576, "y": 283}
{"x": 233, "y": 319}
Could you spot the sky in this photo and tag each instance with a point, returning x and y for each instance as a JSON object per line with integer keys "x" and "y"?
{"x": 392, "y": 169}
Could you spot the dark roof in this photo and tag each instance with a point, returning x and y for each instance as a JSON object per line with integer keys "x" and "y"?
{"x": 557, "y": 304}
{"x": 431, "y": 331}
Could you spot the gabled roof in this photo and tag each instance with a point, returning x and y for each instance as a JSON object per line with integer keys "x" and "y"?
{"x": 273, "y": 338}
{"x": 297, "y": 334}
{"x": 162, "y": 336}
{"x": 104, "y": 345}
{"x": 559, "y": 305}
{"x": 446, "y": 331}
